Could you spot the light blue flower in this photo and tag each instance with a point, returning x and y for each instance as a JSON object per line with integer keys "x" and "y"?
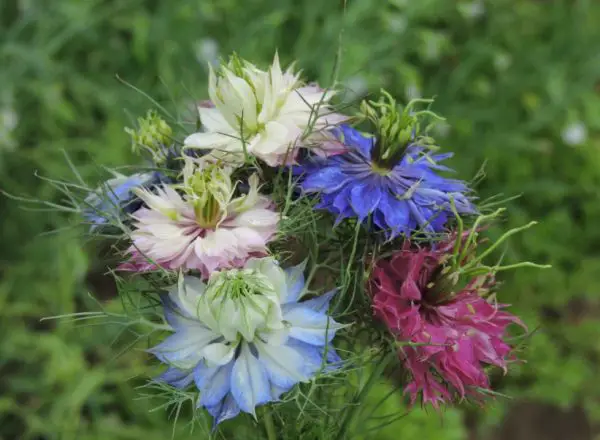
{"x": 244, "y": 337}
{"x": 115, "y": 198}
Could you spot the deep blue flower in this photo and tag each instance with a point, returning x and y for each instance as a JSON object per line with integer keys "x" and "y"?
{"x": 245, "y": 337}
{"x": 114, "y": 198}
{"x": 401, "y": 198}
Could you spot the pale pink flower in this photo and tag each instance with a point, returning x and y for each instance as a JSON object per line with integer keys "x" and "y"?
{"x": 204, "y": 228}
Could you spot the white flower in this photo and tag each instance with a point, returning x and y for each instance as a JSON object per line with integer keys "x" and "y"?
{"x": 574, "y": 133}
{"x": 262, "y": 113}
{"x": 207, "y": 51}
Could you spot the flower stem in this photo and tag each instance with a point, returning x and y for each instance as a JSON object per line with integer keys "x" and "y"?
{"x": 350, "y": 415}
{"x": 269, "y": 425}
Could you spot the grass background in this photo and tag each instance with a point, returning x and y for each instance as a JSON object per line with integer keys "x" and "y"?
{"x": 517, "y": 80}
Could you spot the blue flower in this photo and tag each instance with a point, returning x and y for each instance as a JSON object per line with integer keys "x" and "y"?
{"x": 401, "y": 198}
{"x": 245, "y": 338}
{"x": 115, "y": 198}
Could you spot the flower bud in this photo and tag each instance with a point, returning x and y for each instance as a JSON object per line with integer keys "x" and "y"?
{"x": 152, "y": 134}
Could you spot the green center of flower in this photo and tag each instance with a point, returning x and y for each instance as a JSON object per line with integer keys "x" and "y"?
{"x": 238, "y": 284}
{"x": 396, "y": 129}
{"x": 441, "y": 287}
{"x": 240, "y": 302}
{"x": 209, "y": 190}
{"x": 379, "y": 170}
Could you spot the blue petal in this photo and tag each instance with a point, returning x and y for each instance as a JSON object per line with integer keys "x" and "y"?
{"x": 326, "y": 180}
{"x": 183, "y": 347}
{"x": 295, "y": 282}
{"x": 354, "y": 138}
{"x": 224, "y": 410}
{"x": 276, "y": 391}
{"x": 283, "y": 364}
{"x": 396, "y": 214}
{"x": 313, "y": 357}
{"x": 320, "y": 303}
{"x": 334, "y": 361}
{"x": 249, "y": 382}
{"x": 309, "y": 326}
{"x": 342, "y": 200}
{"x": 173, "y": 314}
{"x": 176, "y": 377}
{"x": 213, "y": 383}
{"x": 364, "y": 198}
{"x": 417, "y": 214}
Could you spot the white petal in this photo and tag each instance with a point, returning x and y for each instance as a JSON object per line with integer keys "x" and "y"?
{"x": 218, "y": 141}
{"x": 218, "y": 353}
{"x": 187, "y": 294}
{"x": 272, "y": 271}
{"x": 213, "y": 121}
{"x": 243, "y": 99}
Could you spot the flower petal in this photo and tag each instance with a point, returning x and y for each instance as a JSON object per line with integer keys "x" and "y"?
{"x": 327, "y": 180}
{"x": 364, "y": 198}
{"x": 183, "y": 349}
{"x": 218, "y": 353}
{"x": 249, "y": 382}
{"x": 309, "y": 326}
{"x": 176, "y": 377}
{"x": 284, "y": 365}
{"x": 213, "y": 383}
{"x": 224, "y": 410}
{"x": 295, "y": 283}
{"x": 320, "y": 303}
{"x": 213, "y": 121}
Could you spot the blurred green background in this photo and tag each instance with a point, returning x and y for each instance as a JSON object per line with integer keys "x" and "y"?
{"x": 517, "y": 80}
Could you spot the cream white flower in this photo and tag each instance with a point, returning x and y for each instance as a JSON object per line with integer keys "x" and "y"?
{"x": 263, "y": 113}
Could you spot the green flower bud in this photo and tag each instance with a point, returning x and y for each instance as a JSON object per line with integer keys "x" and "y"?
{"x": 152, "y": 134}
{"x": 395, "y": 127}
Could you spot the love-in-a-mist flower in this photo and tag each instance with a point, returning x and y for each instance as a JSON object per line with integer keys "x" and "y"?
{"x": 437, "y": 301}
{"x": 245, "y": 336}
{"x": 268, "y": 114}
{"x": 200, "y": 224}
{"x": 115, "y": 198}
{"x": 390, "y": 177}
{"x": 153, "y": 135}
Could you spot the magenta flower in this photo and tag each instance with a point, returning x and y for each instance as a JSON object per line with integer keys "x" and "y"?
{"x": 452, "y": 336}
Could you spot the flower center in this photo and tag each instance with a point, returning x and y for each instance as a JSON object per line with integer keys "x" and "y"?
{"x": 208, "y": 189}
{"x": 240, "y": 302}
{"x": 441, "y": 287}
{"x": 377, "y": 169}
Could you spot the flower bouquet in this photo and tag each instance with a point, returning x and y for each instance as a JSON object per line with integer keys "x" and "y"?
{"x": 280, "y": 255}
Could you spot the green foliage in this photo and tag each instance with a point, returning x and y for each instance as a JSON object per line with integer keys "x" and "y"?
{"x": 514, "y": 78}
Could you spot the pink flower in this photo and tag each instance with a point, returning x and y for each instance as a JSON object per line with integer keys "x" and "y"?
{"x": 204, "y": 229}
{"x": 452, "y": 335}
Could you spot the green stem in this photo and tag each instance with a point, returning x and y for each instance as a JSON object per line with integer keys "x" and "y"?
{"x": 269, "y": 424}
{"x": 498, "y": 242}
{"x": 359, "y": 398}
